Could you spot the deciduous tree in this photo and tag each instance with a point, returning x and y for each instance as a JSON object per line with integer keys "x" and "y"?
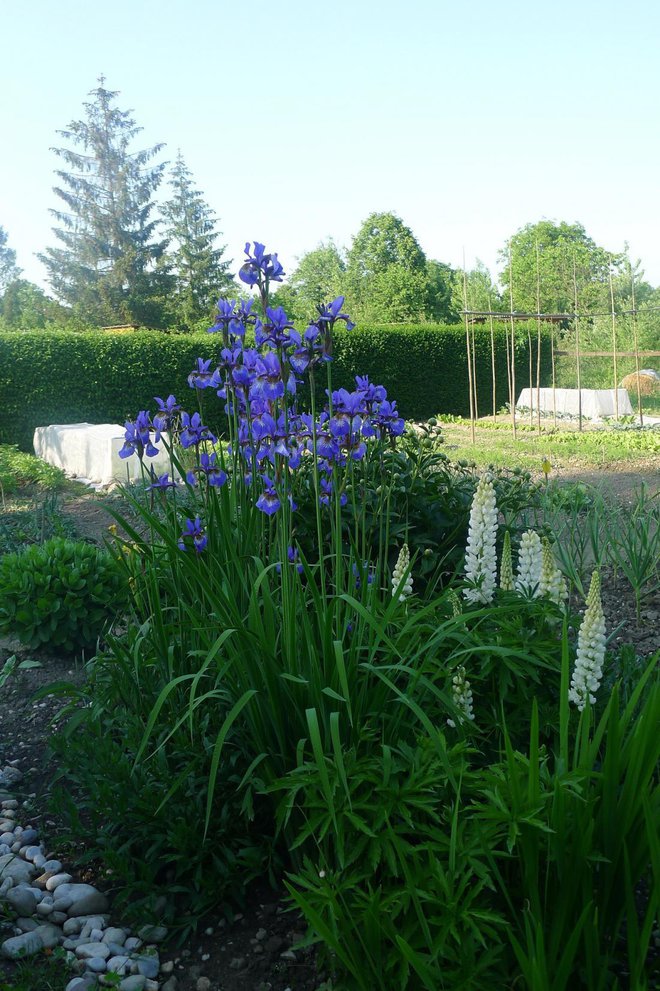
{"x": 9, "y": 270}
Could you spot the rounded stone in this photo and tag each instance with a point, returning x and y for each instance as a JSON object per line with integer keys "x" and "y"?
{"x": 134, "y": 983}
{"x": 56, "y": 880}
{"x": 97, "y": 965}
{"x": 25, "y": 945}
{"x": 52, "y": 866}
{"x": 87, "y": 951}
{"x": 29, "y": 836}
{"x": 15, "y": 868}
{"x": 117, "y": 964}
{"x": 50, "y": 935}
{"x": 148, "y": 966}
{"x": 114, "y": 935}
{"x": 22, "y": 899}
{"x": 61, "y": 902}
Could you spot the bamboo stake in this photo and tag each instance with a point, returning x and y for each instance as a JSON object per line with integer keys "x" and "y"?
{"x": 531, "y": 380}
{"x": 492, "y": 362}
{"x": 474, "y": 375}
{"x": 616, "y": 377}
{"x": 512, "y": 384}
{"x": 538, "y": 340}
{"x": 577, "y": 343}
{"x": 636, "y": 346}
{"x": 554, "y": 377}
{"x": 469, "y": 357}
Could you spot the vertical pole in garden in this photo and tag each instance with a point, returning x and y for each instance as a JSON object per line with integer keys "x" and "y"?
{"x": 554, "y": 375}
{"x": 636, "y": 346}
{"x": 469, "y": 356}
{"x": 531, "y": 377}
{"x": 577, "y": 343}
{"x": 512, "y": 390}
{"x": 492, "y": 357}
{"x": 538, "y": 340}
{"x": 616, "y": 377}
{"x": 474, "y": 373}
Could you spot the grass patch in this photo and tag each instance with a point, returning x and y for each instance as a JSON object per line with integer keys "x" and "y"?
{"x": 46, "y": 972}
{"x": 591, "y": 448}
{"x": 19, "y": 470}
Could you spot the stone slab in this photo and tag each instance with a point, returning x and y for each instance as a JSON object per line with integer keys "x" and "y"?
{"x": 596, "y": 403}
{"x": 90, "y": 451}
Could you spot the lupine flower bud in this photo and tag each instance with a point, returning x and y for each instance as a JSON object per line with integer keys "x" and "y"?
{"x": 456, "y": 607}
{"x": 480, "y": 556}
{"x": 461, "y": 697}
{"x": 506, "y": 566}
{"x": 402, "y": 565}
{"x": 530, "y": 560}
{"x": 551, "y": 584}
{"x": 588, "y": 669}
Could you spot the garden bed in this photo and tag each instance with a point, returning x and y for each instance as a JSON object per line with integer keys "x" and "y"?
{"x": 252, "y": 949}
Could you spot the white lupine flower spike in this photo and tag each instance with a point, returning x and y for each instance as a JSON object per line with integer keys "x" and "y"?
{"x": 461, "y": 697}
{"x": 506, "y": 565}
{"x": 588, "y": 669}
{"x": 551, "y": 584}
{"x": 480, "y": 555}
{"x": 402, "y": 565}
{"x": 530, "y": 561}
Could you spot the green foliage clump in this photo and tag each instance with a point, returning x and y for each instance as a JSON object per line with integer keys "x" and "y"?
{"x": 19, "y": 469}
{"x": 60, "y": 594}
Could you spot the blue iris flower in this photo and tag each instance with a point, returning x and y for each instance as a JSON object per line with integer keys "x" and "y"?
{"x": 137, "y": 437}
{"x": 194, "y": 532}
{"x": 269, "y": 501}
{"x": 260, "y": 265}
{"x": 161, "y": 483}
{"x": 202, "y": 378}
{"x": 193, "y": 431}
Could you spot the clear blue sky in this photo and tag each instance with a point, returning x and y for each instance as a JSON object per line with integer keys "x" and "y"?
{"x": 299, "y": 118}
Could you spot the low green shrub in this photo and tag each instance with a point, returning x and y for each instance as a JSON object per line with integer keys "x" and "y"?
{"x": 60, "y": 594}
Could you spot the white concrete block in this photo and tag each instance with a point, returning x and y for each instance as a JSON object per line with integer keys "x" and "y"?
{"x": 91, "y": 451}
{"x": 596, "y": 403}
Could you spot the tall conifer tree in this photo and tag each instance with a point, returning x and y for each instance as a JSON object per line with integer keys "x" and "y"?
{"x": 109, "y": 266}
{"x": 201, "y": 275}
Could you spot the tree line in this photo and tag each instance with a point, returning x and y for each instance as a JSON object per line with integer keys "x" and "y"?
{"x": 122, "y": 258}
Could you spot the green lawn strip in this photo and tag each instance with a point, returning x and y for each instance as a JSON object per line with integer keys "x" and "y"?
{"x": 564, "y": 448}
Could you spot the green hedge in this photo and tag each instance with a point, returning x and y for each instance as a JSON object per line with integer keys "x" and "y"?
{"x": 62, "y": 377}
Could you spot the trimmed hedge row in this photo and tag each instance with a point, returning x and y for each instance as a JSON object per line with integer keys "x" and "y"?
{"x": 63, "y": 377}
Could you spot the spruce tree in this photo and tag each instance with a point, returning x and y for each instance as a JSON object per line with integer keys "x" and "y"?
{"x": 200, "y": 274}
{"x": 109, "y": 267}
